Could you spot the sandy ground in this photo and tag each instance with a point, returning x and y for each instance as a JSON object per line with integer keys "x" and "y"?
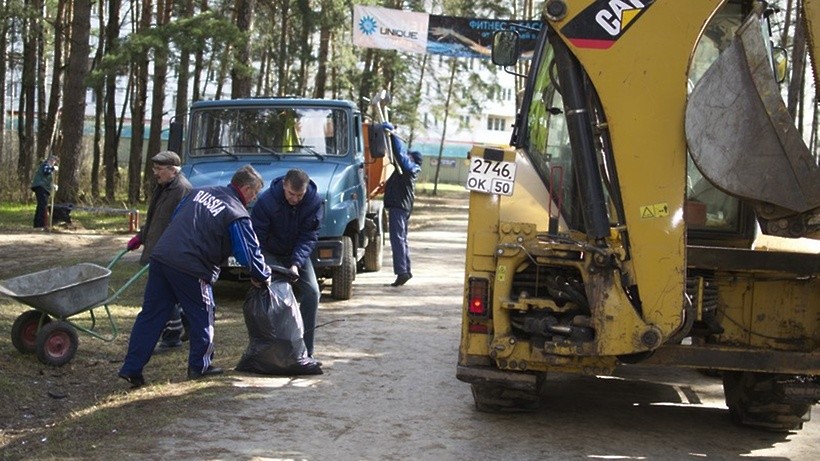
{"x": 389, "y": 390}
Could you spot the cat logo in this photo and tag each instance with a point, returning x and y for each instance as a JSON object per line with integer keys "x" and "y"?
{"x": 602, "y": 23}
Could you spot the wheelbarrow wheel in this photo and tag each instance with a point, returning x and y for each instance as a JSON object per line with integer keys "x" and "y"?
{"x": 56, "y": 343}
{"x": 24, "y": 330}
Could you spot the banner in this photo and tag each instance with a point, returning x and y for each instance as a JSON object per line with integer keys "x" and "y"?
{"x": 390, "y": 29}
{"x": 375, "y": 27}
{"x": 473, "y": 38}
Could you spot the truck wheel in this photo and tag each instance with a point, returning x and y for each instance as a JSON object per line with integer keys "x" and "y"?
{"x": 495, "y": 398}
{"x": 342, "y": 285}
{"x": 56, "y": 343}
{"x": 755, "y": 400}
{"x": 24, "y": 330}
{"x": 374, "y": 252}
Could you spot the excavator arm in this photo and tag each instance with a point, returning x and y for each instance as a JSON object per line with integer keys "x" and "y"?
{"x": 743, "y": 140}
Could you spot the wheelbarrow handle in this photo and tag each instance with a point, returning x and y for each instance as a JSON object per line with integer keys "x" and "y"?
{"x": 117, "y": 258}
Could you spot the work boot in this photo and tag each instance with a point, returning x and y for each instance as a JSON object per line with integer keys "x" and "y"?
{"x": 401, "y": 279}
{"x": 135, "y": 380}
{"x": 211, "y": 371}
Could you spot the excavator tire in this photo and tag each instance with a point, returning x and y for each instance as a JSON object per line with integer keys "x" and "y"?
{"x": 753, "y": 400}
{"x": 495, "y": 398}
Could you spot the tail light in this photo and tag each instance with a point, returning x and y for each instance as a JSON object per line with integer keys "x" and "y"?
{"x": 478, "y": 297}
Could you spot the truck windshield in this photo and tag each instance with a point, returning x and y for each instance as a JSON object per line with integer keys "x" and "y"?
{"x": 276, "y": 131}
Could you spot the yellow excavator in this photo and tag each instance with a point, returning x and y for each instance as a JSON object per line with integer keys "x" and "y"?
{"x": 657, "y": 205}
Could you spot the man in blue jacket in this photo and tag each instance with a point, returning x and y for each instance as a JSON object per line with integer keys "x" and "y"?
{"x": 399, "y": 195}
{"x": 210, "y": 224}
{"x": 286, "y": 219}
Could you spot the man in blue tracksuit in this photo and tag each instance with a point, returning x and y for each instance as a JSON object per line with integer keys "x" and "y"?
{"x": 399, "y": 194}
{"x": 286, "y": 218}
{"x": 209, "y": 225}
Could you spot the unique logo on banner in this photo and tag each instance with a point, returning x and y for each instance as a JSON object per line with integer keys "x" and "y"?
{"x": 367, "y": 25}
{"x": 376, "y": 27}
{"x": 604, "y": 22}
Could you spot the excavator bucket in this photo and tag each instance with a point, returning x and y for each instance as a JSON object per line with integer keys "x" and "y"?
{"x": 741, "y": 136}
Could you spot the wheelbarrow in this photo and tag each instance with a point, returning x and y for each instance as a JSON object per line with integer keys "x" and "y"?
{"x": 56, "y": 295}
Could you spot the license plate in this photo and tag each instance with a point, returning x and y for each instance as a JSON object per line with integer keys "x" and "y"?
{"x": 491, "y": 176}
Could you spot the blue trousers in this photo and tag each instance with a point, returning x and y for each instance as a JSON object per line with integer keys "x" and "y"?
{"x": 397, "y": 222}
{"x": 166, "y": 287}
{"x": 307, "y": 293}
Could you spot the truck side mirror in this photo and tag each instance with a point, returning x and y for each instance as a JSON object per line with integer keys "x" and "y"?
{"x": 377, "y": 140}
{"x": 506, "y": 48}
{"x": 175, "y": 137}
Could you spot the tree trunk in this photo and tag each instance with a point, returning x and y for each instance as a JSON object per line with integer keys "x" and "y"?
{"x": 140, "y": 85}
{"x": 73, "y": 114}
{"x": 184, "y": 74}
{"x": 305, "y": 46}
{"x": 26, "y": 115}
{"x": 51, "y": 132}
{"x": 111, "y": 143}
{"x": 199, "y": 62}
{"x": 324, "y": 51}
{"x": 417, "y": 99}
{"x": 43, "y": 130}
{"x": 453, "y": 66}
{"x": 99, "y": 108}
{"x": 366, "y": 84}
{"x": 164, "y": 9}
{"x": 241, "y": 79}
{"x": 4, "y": 43}
{"x": 283, "y": 49}
{"x": 798, "y": 70}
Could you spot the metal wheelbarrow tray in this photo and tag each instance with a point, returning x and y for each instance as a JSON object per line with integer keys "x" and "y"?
{"x": 62, "y": 291}
{"x": 57, "y": 294}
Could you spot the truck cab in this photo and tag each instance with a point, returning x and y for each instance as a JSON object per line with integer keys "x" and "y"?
{"x": 324, "y": 138}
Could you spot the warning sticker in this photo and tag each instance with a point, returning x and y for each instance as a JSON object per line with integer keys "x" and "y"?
{"x": 501, "y": 273}
{"x": 658, "y": 210}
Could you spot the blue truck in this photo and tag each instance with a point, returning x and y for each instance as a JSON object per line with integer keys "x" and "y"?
{"x": 324, "y": 137}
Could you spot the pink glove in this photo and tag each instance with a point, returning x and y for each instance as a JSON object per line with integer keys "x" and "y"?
{"x": 134, "y": 243}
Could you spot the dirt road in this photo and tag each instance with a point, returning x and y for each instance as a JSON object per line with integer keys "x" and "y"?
{"x": 389, "y": 392}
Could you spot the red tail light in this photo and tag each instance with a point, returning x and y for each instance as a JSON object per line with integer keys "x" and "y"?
{"x": 478, "y": 297}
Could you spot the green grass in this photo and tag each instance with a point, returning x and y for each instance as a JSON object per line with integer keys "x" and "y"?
{"x": 16, "y": 217}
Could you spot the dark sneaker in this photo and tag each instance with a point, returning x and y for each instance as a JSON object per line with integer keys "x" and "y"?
{"x": 135, "y": 380}
{"x": 401, "y": 279}
{"x": 211, "y": 371}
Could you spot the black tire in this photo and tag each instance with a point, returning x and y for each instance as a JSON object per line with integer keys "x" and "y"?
{"x": 374, "y": 251}
{"x": 343, "y": 276}
{"x": 754, "y": 400}
{"x": 24, "y": 330}
{"x": 56, "y": 343}
{"x": 495, "y": 398}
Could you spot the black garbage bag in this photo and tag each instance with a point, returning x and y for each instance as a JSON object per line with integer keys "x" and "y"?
{"x": 275, "y": 329}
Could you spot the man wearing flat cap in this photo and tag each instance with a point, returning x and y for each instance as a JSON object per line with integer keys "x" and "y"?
{"x": 171, "y": 187}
